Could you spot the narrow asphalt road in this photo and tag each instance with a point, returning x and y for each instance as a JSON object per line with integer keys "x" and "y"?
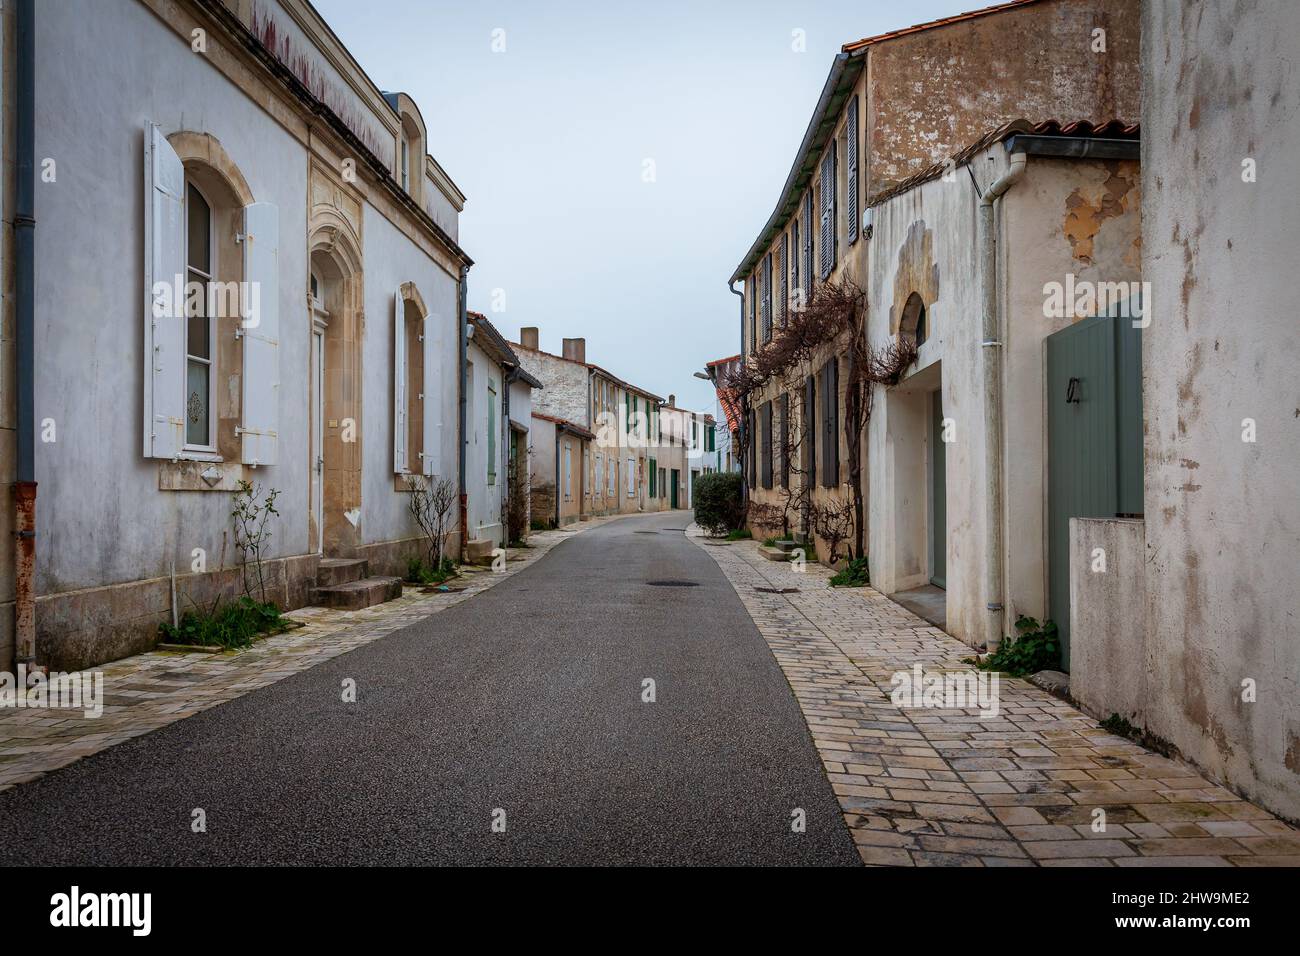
{"x": 526, "y": 699}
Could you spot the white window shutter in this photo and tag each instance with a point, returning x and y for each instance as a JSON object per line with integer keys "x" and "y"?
{"x": 432, "y": 407}
{"x": 260, "y": 333}
{"x": 164, "y": 325}
{"x": 399, "y": 384}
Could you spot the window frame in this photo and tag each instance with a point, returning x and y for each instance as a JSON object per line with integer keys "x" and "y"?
{"x": 188, "y": 448}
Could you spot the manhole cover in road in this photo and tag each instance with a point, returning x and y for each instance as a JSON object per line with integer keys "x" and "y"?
{"x": 673, "y": 584}
{"x": 778, "y": 590}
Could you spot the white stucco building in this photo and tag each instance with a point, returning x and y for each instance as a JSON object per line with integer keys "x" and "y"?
{"x": 237, "y": 145}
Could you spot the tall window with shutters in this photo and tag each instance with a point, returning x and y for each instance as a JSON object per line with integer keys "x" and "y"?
{"x": 752, "y": 288}
{"x": 205, "y": 233}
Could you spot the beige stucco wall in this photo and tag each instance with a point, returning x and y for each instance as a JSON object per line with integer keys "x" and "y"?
{"x": 926, "y": 241}
{"x": 1222, "y": 519}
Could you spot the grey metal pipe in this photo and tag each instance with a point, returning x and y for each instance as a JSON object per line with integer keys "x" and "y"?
{"x": 991, "y": 347}
{"x": 462, "y": 321}
{"x": 744, "y": 464}
{"x": 24, "y": 315}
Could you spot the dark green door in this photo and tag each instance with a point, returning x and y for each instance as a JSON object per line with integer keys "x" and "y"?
{"x": 1094, "y": 421}
{"x": 938, "y": 495}
{"x": 672, "y": 488}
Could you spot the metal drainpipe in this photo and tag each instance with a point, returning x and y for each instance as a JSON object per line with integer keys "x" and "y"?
{"x": 744, "y": 462}
{"x": 24, "y": 301}
{"x": 991, "y": 347}
{"x": 462, "y": 309}
{"x": 510, "y": 377}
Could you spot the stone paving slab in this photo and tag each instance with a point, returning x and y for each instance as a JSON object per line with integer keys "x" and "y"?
{"x": 945, "y": 786}
{"x": 149, "y": 691}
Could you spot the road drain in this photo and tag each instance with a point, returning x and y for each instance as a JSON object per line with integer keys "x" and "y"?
{"x": 645, "y": 532}
{"x": 778, "y": 590}
{"x": 673, "y": 584}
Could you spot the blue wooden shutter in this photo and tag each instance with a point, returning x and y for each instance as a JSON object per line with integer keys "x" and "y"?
{"x": 851, "y": 158}
{"x": 785, "y": 275}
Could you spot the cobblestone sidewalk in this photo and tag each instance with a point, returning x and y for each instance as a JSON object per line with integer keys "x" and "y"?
{"x": 148, "y": 691}
{"x": 945, "y": 787}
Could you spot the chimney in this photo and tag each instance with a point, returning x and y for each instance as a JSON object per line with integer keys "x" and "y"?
{"x": 672, "y": 400}
{"x": 528, "y": 337}
{"x": 576, "y": 349}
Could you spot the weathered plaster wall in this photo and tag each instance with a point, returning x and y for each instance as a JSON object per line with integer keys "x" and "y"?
{"x": 1064, "y": 217}
{"x": 565, "y": 392}
{"x": 390, "y": 260}
{"x": 543, "y": 489}
{"x": 1223, "y": 525}
{"x": 926, "y": 241}
{"x": 104, "y": 521}
{"x": 484, "y": 499}
{"x": 102, "y": 517}
{"x": 1109, "y": 655}
{"x": 933, "y": 92}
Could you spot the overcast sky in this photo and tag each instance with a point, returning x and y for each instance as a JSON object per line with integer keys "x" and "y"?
{"x": 550, "y": 139}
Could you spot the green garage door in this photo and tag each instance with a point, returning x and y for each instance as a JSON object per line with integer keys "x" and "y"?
{"x": 1094, "y": 440}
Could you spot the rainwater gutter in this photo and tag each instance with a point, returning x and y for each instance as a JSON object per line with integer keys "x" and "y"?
{"x": 991, "y": 349}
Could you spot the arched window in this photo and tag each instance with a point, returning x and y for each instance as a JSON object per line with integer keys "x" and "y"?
{"x": 199, "y": 331}
{"x": 915, "y": 321}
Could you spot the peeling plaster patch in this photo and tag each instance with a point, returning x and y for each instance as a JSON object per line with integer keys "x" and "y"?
{"x": 1292, "y": 759}
{"x": 1089, "y": 206}
{"x": 917, "y": 272}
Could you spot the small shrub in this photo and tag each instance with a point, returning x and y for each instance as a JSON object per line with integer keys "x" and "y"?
{"x": 719, "y": 504}
{"x": 1036, "y": 648}
{"x": 235, "y": 625}
{"x": 418, "y": 571}
{"x": 769, "y": 542}
{"x": 740, "y": 534}
{"x": 852, "y": 575}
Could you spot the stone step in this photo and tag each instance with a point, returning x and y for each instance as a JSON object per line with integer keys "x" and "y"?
{"x": 773, "y": 554}
{"x": 479, "y": 550}
{"x": 332, "y": 572}
{"x": 355, "y": 595}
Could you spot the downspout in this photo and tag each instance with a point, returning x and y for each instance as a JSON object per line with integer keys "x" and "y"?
{"x": 462, "y": 310}
{"x": 991, "y": 347}
{"x": 744, "y": 439}
{"x": 25, "y": 362}
{"x": 505, "y": 446}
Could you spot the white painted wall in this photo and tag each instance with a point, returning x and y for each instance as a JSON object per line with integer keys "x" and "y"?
{"x": 1222, "y": 518}
{"x": 103, "y": 519}
{"x": 390, "y": 260}
{"x": 484, "y": 500}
